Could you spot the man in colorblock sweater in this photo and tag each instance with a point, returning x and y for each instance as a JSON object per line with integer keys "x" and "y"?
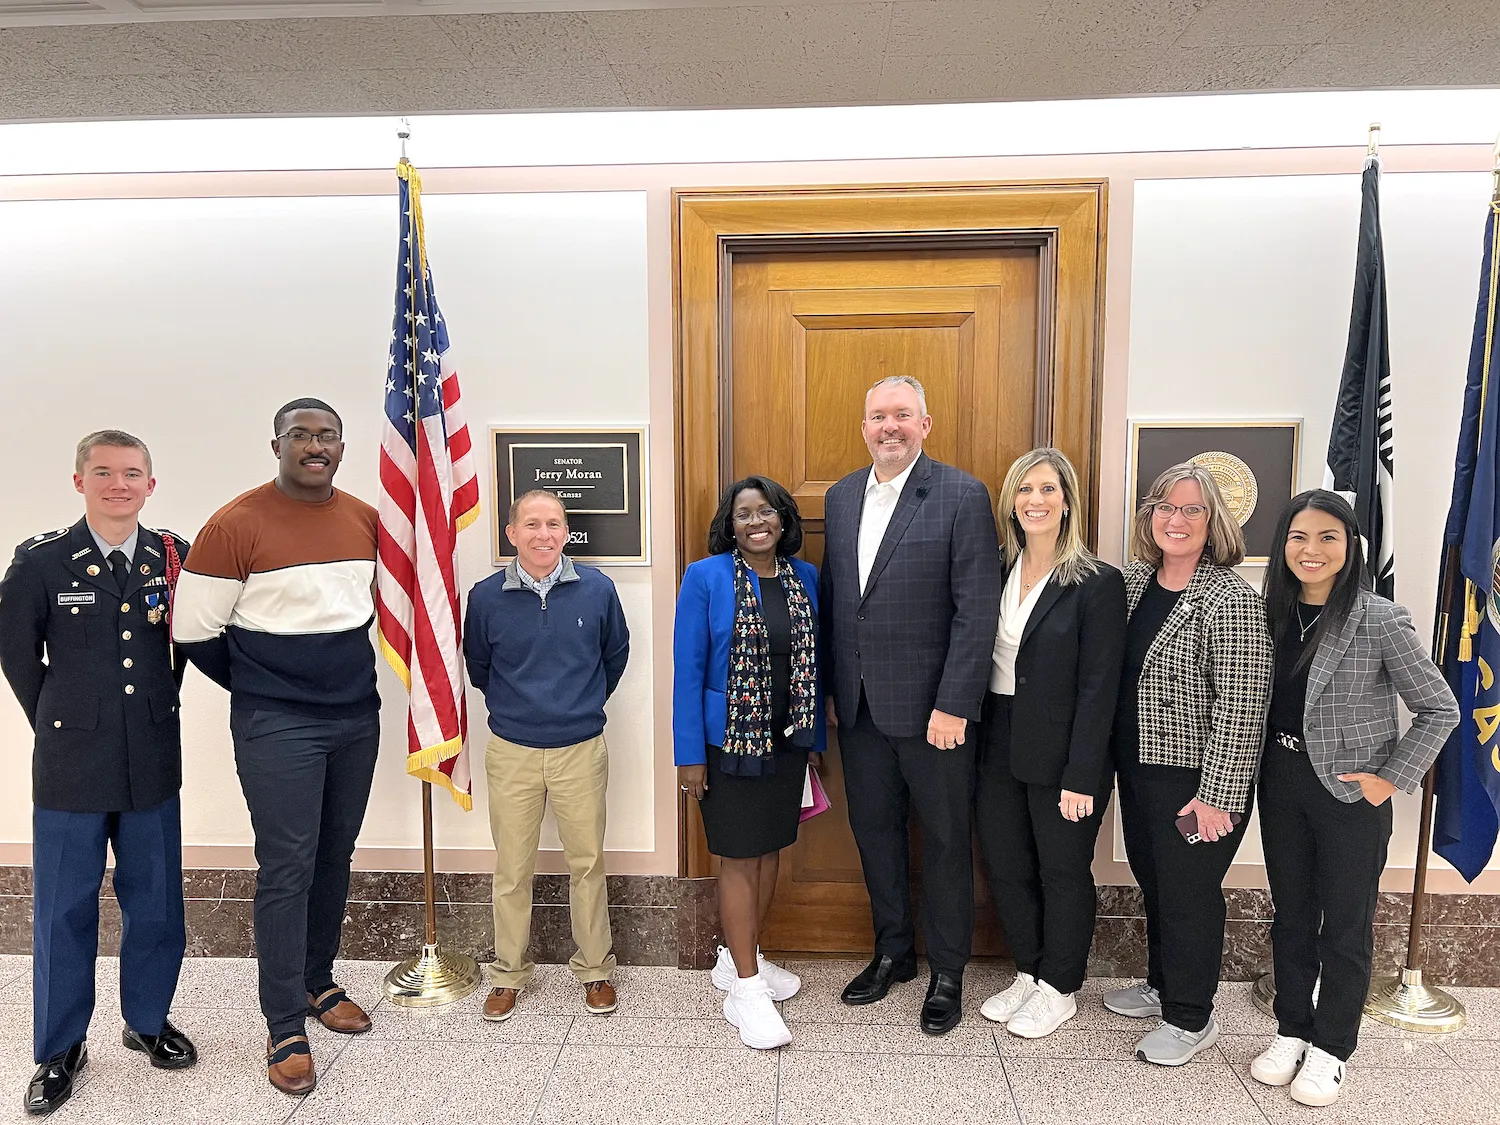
{"x": 546, "y": 642}
{"x": 275, "y": 603}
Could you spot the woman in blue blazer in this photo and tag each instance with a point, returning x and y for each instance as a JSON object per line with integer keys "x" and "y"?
{"x": 747, "y": 716}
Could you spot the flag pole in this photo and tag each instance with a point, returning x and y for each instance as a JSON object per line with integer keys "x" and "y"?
{"x": 435, "y": 976}
{"x": 1405, "y": 1001}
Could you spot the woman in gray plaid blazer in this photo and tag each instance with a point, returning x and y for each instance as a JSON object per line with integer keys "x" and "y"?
{"x": 1333, "y": 758}
{"x": 1188, "y": 734}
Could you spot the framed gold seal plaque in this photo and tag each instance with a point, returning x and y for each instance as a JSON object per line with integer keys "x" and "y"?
{"x": 1254, "y": 462}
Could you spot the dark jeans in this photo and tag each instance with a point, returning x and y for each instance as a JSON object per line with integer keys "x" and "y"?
{"x": 1182, "y": 885}
{"x": 307, "y": 782}
{"x": 883, "y": 778}
{"x": 1323, "y": 860}
{"x": 68, "y": 855}
{"x": 1040, "y": 863}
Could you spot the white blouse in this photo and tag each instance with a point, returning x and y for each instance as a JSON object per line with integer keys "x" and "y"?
{"x": 1015, "y": 611}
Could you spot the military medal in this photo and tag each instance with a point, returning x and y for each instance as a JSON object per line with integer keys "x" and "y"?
{"x": 155, "y": 610}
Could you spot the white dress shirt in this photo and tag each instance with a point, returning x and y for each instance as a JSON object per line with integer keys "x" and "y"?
{"x": 880, "y": 505}
{"x": 1015, "y": 611}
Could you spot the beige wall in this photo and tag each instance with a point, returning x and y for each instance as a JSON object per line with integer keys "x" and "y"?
{"x": 1132, "y": 384}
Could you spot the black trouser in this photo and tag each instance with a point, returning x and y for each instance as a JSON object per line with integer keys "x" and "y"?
{"x": 1323, "y": 860}
{"x": 1040, "y": 863}
{"x": 883, "y": 778}
{"x": 1182, "y": 884}
{"x": 307, "y": 782}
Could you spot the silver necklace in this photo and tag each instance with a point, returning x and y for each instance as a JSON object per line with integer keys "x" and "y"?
{"x": 1306, "y": 627}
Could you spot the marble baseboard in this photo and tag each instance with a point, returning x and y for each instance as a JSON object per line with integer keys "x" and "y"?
{"x": 663, "y": 920}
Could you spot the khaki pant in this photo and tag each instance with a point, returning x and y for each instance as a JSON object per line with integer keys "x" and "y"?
{"x": 521, "y": 778}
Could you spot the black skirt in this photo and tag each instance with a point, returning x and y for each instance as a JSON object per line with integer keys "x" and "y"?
{"x": 748, "y": 817}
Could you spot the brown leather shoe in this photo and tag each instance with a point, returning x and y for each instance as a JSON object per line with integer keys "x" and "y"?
{"x": 291, "y": 1071}
{"x": 337, "y": 1012}
{"x": 500, "y": 1004}
{"x": 599, "y": 997}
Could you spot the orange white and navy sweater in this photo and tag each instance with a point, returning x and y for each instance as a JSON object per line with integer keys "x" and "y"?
{"x": 275, "y": 603}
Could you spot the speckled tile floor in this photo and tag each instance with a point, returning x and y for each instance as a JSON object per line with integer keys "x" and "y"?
{"x": 668, "y": 1056}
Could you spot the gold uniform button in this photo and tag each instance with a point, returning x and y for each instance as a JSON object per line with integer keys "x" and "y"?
{"x": 125, "y": 636}
{"x": 129, "y": 663}
{"x": 125, "y": 608}
{"x": 75, "y": 609}
{"x": 57, "y": 722}
{"x": 129, "y": 689}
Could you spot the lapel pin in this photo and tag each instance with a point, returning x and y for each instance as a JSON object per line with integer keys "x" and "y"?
{"x": 93, "y": 572}
{"x": 145, "y": 568}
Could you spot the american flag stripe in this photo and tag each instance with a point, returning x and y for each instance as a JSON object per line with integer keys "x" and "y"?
{"x": 428, "y": 493}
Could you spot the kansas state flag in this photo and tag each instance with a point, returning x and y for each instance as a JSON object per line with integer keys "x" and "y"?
{"x": 1468, "y": 778}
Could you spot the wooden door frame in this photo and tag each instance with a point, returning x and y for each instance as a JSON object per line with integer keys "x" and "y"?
{"x": 1064, "y": 220}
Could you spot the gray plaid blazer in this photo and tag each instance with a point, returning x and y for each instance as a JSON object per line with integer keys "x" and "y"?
{"x": 1349, "y": 721}
{"x": 1206, "y": 684}
{"x": 922, "y": 636}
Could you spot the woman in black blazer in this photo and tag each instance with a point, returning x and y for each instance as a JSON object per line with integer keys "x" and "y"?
{"x": 1044, "y": 770}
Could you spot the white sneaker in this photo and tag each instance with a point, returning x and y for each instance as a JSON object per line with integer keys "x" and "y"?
{"x": 749, "y": 1007}
{"x": 1001, "y": 1006}
{"x": 784, "y": 984}
{"x": 1320, "y": 1080}
{"x": 1277, "y": 1064}
{"x": 1045, "y": 1010}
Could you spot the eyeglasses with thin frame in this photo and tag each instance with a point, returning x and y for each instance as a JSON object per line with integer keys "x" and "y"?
{"x": 304, "y": 437}
{"x": 763, "y": 514}
{"x": 1189, "y": 511}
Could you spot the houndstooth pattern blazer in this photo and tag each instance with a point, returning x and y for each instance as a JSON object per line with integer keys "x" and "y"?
{"x": 922, "y": 634}
{"x": 1206, "y": 684}
{"x": 1349, "y": 721}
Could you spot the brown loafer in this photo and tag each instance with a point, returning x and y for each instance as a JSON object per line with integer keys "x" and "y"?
{"x": 599, "y": 997}
{"x": 500, "y": 1004}
{"x": 289, "y": 1068}
{"x": 337, "y": 1012}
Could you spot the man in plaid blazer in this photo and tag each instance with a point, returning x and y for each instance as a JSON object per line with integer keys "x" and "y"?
{"x": 910, "y": 601}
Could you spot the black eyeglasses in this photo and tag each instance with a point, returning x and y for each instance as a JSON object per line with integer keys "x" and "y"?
{"x": 304, "y": 437}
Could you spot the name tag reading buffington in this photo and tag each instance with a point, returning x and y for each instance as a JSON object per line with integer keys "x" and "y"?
{"x": 82, "y": 597}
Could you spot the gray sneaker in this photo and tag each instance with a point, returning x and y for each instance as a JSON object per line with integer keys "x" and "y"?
{"x": 1171, "y": 1046}
{"x": 1138, "y": 1001}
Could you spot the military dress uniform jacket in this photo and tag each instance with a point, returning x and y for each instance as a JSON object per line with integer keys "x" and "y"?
{"x": 104, "y": 703}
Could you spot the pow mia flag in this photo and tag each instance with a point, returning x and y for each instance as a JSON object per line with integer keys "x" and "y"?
{"x": 1360, "y": 465}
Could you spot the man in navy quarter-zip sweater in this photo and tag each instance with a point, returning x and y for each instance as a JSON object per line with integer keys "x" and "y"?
{"x": 546, "y": 642}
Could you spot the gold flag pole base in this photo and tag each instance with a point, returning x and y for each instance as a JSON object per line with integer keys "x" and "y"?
{"x": 433, "y": 978}
{"x": 1263, "y": 993}
{"x": 1407, "y": 1003}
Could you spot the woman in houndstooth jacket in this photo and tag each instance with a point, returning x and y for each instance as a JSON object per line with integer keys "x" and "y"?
{"x": 1331, "y": 763}
{"x": 1188, "y": 734}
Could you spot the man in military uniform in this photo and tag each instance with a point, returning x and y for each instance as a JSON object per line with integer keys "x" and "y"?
{"x": 107, "y": 764}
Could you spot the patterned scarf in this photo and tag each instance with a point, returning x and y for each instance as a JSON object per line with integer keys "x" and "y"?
{"x": 748, "y": 737}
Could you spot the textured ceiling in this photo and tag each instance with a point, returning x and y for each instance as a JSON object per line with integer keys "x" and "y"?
{"x": 633, "y": 53}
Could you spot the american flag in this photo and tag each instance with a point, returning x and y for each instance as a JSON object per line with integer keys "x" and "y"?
{"x": 428, "y": 494}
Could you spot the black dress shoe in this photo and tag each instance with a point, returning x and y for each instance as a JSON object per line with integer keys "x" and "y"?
{"x": 944, "y": 1005}
{"x": 171, "y": 1050}
{"x": 52, "y": 1084}
{"x": 877, "y": 977}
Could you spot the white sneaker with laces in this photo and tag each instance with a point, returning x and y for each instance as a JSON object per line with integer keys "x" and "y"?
{"x": 1278, "y": 1064}
{"x": 749, "y": 1007}
{"x": 1001, "y": 1006}
{"x": 1320, "y": 1080}
{"x": 784, "y": 984}
{"x": 1045, "y": 1010}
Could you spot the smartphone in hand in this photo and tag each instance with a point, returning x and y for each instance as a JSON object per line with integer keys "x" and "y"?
{"x": 1187, "y": 825}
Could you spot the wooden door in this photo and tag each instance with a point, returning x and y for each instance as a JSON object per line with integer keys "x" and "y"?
{"x": 804, "y": 329}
